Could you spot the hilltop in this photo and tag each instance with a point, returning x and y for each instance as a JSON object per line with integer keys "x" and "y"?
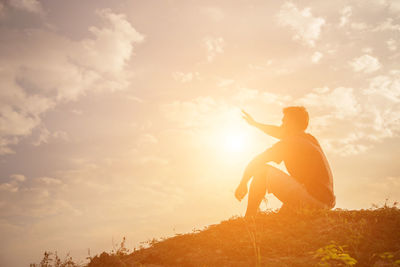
{"x": 309, "y": 238}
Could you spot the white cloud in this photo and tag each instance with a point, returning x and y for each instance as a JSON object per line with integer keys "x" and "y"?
{"x": 341, "y": 101}
{"x": 316, "y": 57}
{"x": 336, "y": 110}
{"x": 213, "y": 12}
{"x": 152, "y": 160}
{"x": 18, "y": 177}
{"x": 387, "y": 25}
{"x": 225, "y": 82}
{"x": 244, "y": 94}
{"x": 391, "y": 44}
{"x": 345, "y": 15}
{"x": 394, "y": 6}
{"x": 387, "y": 86}
{"x": 214, "y": 46}
{"x": 32, "y": 6}
{"x": 367, "y": 50}
{"x": 49, "y": 181}
{"x": 307, "y": 28}
{"x": 185, "y": 77}
{"x": 9, "y": 187}
{"x": 372, "y": 115}
{"x": 365, "y": 63}
{"x": 359, "y": 26}
{"x": 13, "y": 185}
{"x": 32, "y": 86}
{"x": 189, "y": 113}
{"x": 146, "y": 139}
{"x": 112, "y": 46}
{"x": 347, "y": 146}
{"x": 45, "y": 136}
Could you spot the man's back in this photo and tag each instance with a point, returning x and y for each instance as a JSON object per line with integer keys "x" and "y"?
{"x": 306, "y": 162}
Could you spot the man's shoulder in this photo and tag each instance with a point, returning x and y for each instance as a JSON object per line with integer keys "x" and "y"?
{"x": 301, "y": 137}
{"x": 312, "y": 138}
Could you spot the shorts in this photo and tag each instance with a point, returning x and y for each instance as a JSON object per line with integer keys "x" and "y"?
{"x": 290, "y": 192}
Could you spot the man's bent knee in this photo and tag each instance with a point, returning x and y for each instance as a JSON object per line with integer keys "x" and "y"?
{"x": 263, "y": 170}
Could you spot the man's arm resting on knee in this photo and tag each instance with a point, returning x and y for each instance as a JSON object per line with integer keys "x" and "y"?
{"x": 251, "y": 169}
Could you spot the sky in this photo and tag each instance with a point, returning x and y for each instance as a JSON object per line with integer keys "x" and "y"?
{"x": 122, "y": 118}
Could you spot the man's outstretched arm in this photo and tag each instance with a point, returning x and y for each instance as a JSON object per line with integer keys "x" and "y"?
{"x": 272, "y": 130}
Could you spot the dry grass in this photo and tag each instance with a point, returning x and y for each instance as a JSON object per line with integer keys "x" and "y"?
{"x": 308, "y": 238}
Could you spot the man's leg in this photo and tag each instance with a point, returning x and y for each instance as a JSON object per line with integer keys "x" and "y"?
{"x": 257, "y": 191}
{"x": 290, "y": 192}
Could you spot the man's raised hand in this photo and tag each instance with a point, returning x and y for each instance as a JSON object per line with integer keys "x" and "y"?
{"x": 249, "y": 119}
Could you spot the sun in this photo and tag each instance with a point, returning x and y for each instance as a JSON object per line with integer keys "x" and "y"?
{"x": 234, "y": 142}
{"x": 230, "y": 139}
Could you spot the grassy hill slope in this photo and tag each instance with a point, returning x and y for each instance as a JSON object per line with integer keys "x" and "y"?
{"x": 326, "y": 238}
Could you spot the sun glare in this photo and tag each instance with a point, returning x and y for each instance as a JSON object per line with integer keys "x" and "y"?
{"x": 235, "y": 142}
{"x": 230, "y": 139}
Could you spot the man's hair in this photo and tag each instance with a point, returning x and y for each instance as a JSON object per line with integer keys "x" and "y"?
{"x": 298, "y": 116}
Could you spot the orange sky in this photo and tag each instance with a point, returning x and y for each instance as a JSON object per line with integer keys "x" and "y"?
{"x": 123, "y": 118}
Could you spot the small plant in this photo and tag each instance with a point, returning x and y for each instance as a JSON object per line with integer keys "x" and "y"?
{"x": 115, "y": 258}
{"x": 122, "y": 250}
{"x": 387, "y": 259}
{"x": 49, "y": 261}
{"x": 333, "y": 255}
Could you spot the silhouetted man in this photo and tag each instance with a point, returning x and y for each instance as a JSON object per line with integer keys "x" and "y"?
{"x": 309, "y": 182}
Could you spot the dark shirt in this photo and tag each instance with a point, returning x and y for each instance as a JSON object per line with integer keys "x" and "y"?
{"x": 306, "y": 162}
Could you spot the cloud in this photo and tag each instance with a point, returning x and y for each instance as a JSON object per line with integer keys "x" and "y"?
{"x": 32, "y": 86}
{"x": 382, "y": 112}
{"x": 185, "y": 77}
{"x": 307, "y": 28}
{"x": 366, "y": 64}
{"x": 333, "y": 113}
{"x": 8, "y": 187}
{"x": 316, "y": 57}
{"x": 359, "y": 26}
{"x": 49, "y": 181}
{"x": 347, "y": 146}
{"x": 245, "y": 94}
{"x": 111, "y": 46}
{"x": 152, "y": 161}
{"x": 189, "y": 113}
{"x": 18, "y": 177}
{"x": 394, "y": 6}
{"x": 45, "y": 136}
{"x": 13, "y": 185}
{"x": 214, "y": 46}
{"x": 387, "y": 86}
{"x": 225, "y": 82}
{"x": 387, "y": 25}
{"x": 372, "y": 114}
{"x": 146, "y": 139}
{"x": 341, "y": 101}
{"x": 32, "y": 6}
{"x": 345, "y": 15}
{"x": 391, "y": 44}
{"x": 215, "y": 13}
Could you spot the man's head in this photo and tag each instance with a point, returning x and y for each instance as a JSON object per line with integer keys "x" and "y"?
{"x": 295, "y": 119}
